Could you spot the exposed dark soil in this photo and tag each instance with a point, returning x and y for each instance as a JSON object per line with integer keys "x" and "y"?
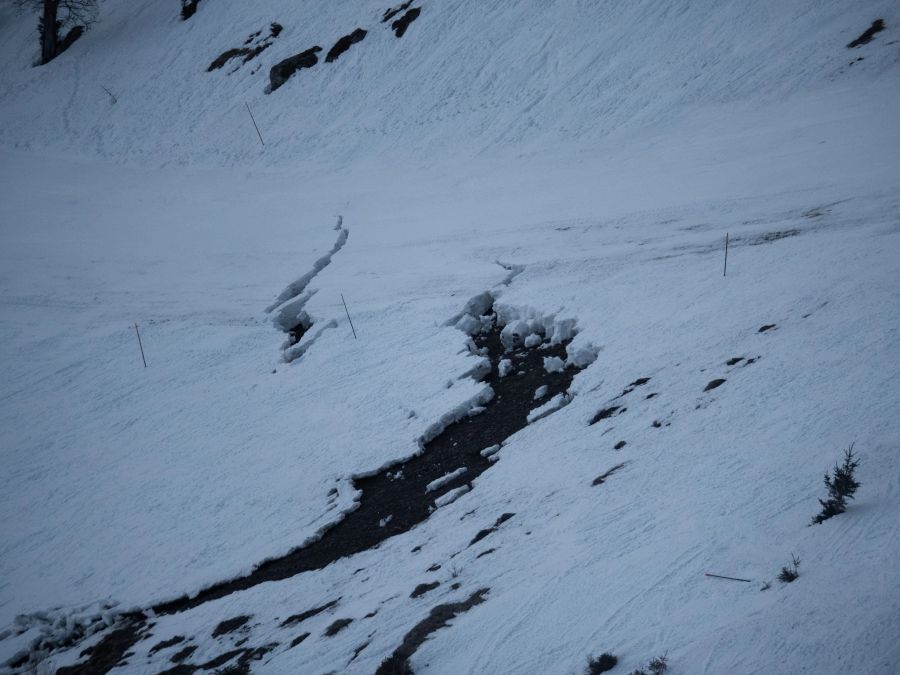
{"x": 864, "y": 39}
{"x": 601, "y": 479}
{"x": 398, "y": 491}
{"x": 183, "y": 654}
{"x": 225, "y": 57}
{"x": 165, "y": 644}
{"x": 422, "y": 589}
{"x": 400, "y": 25}
{"x": 714, "y": 384}
{"x": 640, "y": 382}
{"x": 493, "y": 528}
{"x": 188, "y": 8}
{"x": 300, "y": 638}
{"x": 619, "y": 445}
{"x": 603, "y": 663}
{"x": 768, "y": 326}
{"x": 344, "y": 44}
{"x": 394, "y": 11}
{"x": 734, "y": 361}
{"x": 110, "y": 651}
{"x": 282, "y": 71}
{"x": 606, "y": 413}
{"x": 247, "y": 52}
{"x": 294, "y": 619}
{"x": 296, "y": 333}
{"x": 398, "y": 662}
{"x": 358, "y": 650}
{"x": 241, "y": 657}
{"x": 773, "y": 236}
{"x": 230, "y": 625}
{"x": 337, "y": 627}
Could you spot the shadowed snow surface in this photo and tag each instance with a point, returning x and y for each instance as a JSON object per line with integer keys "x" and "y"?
{"x": 580, "y": 161}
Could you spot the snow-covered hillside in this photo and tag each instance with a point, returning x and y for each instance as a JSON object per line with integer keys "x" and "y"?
{"x": 569, "y": 168}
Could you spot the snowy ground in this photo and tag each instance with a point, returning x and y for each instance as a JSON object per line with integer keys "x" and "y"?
{"x": 133, "y": 486}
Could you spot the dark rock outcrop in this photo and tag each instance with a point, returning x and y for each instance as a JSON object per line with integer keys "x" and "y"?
{"x": 401, "y": 24}
{"x": 344, "y": 44}
{"x": 281, "y": 72}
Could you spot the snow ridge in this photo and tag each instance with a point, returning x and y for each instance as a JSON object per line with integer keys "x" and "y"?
{"x": 297, "y": 287}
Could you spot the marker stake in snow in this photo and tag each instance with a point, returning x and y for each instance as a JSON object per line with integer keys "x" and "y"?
{"x": 719, "y": 576}
{"x": 140, "y": 344}
{"x": 254, "y": 123}
{"x": 348, "y": 316}
{"x": 725, "y": 271}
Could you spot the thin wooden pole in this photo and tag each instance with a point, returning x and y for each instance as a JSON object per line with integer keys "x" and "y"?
{"x": 140, "y": 344}
{"x": 254, "y": 123}
{"x": 725, "y": 271}
{"x": 348, "y": 316}
{"x": 719, "y": 576}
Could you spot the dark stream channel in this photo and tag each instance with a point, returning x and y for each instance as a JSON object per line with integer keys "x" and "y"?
{"x": 395, "y": 499}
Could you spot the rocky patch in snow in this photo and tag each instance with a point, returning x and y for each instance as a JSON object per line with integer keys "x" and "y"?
{"x": 188, "y": 8}
{"x": 867, "y": 36}
{"x": 438, "y": 618}
{"x": 394, "y": 11}
{"x": 400, "y": 25}
{"x": 606, "y": 413}
{"x": 344, "y": 44}
{"x": 253, "y": 47}
{"x": 282, "y": 71}
{"x": 601, "y": 479}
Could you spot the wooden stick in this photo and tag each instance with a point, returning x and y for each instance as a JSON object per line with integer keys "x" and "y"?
{"x": 140, "y": 344}
{"x": 725, "y": 271}
{"x": 719, "y": 576}
{"x": 114, "y": 99}
{"x": 254, "y": 123}
{"x": 348, "y": 316}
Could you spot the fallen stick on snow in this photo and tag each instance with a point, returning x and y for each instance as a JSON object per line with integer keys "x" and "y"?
{"x": 719, "y": 576}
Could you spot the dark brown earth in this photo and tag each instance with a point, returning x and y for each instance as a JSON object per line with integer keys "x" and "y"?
{"x": 864, "y": 39}
{"x": 398, "y": 662}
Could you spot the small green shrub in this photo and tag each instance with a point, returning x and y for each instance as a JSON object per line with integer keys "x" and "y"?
{"x": 657, "y": 666}
{"x": 841, "y": 487}
{"x": 601, "y": 664}
{"x": 790, "y": 572}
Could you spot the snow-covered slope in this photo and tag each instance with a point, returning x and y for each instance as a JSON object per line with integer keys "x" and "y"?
{"x": 511, "y": 76}
{"x": 580, "y": 161}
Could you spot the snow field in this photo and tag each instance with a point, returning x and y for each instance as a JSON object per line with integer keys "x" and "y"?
{"x": 528, "y": 151}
